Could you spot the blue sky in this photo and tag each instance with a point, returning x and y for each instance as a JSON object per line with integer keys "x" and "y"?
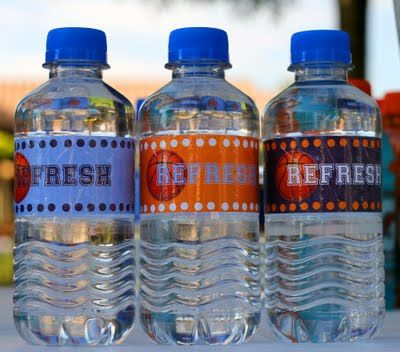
{"x": 383, "y": 55}
{"x": 138, "y": 32}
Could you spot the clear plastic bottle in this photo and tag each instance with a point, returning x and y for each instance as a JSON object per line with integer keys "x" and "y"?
{"x": 74, "y": 195}
{"x": 199, "y": 231}
{"x": 324, "y": 277}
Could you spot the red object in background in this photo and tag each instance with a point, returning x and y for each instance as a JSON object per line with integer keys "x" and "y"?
{"x": 391, "y": 104}
{"x": 390, "y": 108}
{"x": 361, "y": 84}
{"x": 380, "y": 104}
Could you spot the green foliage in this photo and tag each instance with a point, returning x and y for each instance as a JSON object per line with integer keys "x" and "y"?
{"x": 6, "y": 145}
{"x": 6, "y": 266}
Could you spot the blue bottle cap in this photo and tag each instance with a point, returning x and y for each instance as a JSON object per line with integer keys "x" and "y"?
{"x": 198, "y": 44}
{"x": 74, "y": 44}
{"x": 320, "y": 46}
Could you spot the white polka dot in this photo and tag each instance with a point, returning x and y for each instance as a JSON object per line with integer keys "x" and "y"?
{"x": 174, "y": 143}
{"x": 251, "y": 206}
{"x": 153, "y": 145}
{"x": 225, "y": 206}
{"x": 245, "y": 144}
{"x": 251, "y": 144}
{"x": 186, "y": 142}
{"x": 256, "y": 207}
{"x": 161, "y": 207}
{"x": 184, "y": 206}
{"x": 199, "y": 142}
{"x": 256, "y": 145}
{"x": 198, "y": 206}
{"x": 141, "y": 146}
{"x": 145, "y": 208}
{"x": 236, "y": 142}
{"x": 163, "y": 145}
{"x": 172, "y": 207}
{"x": 212, "y": 142}
{"x": 244, "y": 206}
{"x": 146, "y": 145}
{"x": 235, "y": 206}
{"x": 210, "y": 205}
{"x": 152, "y": 208}
{"x": 226, "y": 142}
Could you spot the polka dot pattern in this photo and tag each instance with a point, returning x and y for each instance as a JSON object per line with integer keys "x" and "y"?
{"x": 329, "y": 206}
{"x": 199, "y": 201}
{"x": 200, "y": 142}
{"x": 73, "y": 207}
{"x": 307, "y": 142}
{"x": 350, "y": 197}
{"x": 72, "y": 199}
{"x": 68, "y": 143}
{"x": 198, "y": 206}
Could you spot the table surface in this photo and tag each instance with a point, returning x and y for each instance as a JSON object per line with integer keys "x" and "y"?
{"x": 388, "y": 340}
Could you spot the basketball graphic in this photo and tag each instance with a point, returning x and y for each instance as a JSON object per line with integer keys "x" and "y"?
{"x": 164, "y": 192}
{"x": 23, "y": 175}
{"x": 293, "y": 193}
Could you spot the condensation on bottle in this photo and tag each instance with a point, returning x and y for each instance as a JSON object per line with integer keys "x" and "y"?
{"x": 199, "y": 230}
{"x": 324, "y": 277}
{"x": 74, "y": 200}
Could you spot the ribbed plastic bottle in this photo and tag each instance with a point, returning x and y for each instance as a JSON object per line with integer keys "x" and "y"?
{"x": 74, "y": 200}
{"x": 324, "y": 277}
{"x": 199, "y": 230}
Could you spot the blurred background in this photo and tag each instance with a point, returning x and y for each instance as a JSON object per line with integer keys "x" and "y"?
{"x": 259, "y": 33}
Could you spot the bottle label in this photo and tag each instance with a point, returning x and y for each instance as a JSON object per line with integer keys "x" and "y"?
{"x": 198, "y": 173}
{"x": 323, "y": 174}
{"x": 73, "y": 175}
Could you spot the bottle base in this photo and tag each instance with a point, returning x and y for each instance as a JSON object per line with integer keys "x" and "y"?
{"x": 74, "y": 330}
{"x": 321, "y": 324}
{"x": 202, "y": 329}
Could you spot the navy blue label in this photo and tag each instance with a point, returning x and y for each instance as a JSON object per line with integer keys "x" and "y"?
{"x": 323, "y": 174}
{"x": 76, "y": 175}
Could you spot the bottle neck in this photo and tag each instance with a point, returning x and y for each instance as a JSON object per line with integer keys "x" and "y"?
{"x": 320, "y": 72}
{"x": 216, "y": 70}
{"x": 76, "y": 70}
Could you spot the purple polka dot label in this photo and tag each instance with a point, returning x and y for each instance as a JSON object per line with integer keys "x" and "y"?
{"x": 314, "y": 174}
{"x": 74, "y": 176}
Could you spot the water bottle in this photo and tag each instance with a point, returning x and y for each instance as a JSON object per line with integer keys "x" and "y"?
{"x": 199, "y": 231}
{"x": 74, "y": 195}
{"x": 324, "y": 277}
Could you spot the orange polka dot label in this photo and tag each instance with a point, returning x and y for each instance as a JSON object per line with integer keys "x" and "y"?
{"x": 198, "y": 173}
{"x": 323, "y": 174}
